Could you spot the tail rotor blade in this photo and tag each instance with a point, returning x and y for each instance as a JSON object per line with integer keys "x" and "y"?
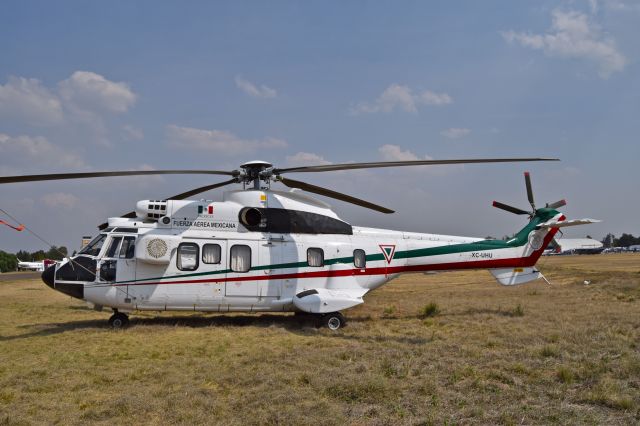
{"x": 509, "y": 208}
{"x": 557, "y": 204}
{"x": 527, "y": 181}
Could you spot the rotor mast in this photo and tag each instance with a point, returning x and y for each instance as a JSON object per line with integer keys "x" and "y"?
{"x": 254, "y": 172}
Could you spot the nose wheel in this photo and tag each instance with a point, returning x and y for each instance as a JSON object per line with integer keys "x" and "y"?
{"x": 118, "y": 320}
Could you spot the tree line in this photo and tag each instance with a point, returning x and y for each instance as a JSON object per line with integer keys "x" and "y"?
{"x": 9, "y": 261}
{"x": 625, "y": 240}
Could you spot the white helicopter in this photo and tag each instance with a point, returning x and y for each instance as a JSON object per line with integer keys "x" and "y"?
{"x": 266, "y": 250}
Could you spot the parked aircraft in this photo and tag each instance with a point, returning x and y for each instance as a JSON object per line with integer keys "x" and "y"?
{"x": 267, "y": 250}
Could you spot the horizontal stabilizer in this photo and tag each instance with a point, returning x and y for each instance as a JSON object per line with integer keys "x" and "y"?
{"x": 515, "y": 276}
{"x": 564, "y": 223}
{"x": 322, "y": 300}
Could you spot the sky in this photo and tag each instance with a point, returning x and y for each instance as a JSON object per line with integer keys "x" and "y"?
{"x": 99, "y": 86}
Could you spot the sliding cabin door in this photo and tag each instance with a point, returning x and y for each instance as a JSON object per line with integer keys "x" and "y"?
{"x": 244, "y": 269}
{"x": 280, "y": 259}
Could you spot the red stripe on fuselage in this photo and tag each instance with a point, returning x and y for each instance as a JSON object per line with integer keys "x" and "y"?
{"x": 518, "y": 262}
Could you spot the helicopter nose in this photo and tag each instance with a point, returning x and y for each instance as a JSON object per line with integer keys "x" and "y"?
{"x": 48, "y": 276}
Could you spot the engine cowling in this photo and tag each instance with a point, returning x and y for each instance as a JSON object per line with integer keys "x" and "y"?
{"x": 151, "y": 209}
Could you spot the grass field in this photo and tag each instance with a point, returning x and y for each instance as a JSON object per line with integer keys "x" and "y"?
{"x": 565, "y": 353}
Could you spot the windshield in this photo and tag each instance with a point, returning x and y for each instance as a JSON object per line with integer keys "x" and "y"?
{"x": 93, "y": 248}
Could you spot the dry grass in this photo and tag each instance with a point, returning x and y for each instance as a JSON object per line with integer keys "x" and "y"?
{"x": 567, "y": 353}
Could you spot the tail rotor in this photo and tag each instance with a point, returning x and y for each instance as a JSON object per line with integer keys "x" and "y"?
{"x": 516, "y": 210}
{"x": 556, "y": 205}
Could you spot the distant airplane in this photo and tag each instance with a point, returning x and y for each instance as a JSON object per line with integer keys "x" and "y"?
{"x": 35, "y": 266}
{"x": 575, "y": 246}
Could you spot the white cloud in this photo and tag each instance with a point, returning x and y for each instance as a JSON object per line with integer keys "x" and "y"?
{"x": 455, "y": 132}
{"x": 615, "y": 5}
{"x": 398, "y": 96}
{"x": 132, "y": 133}
{"x": 77, "y": 105}
{"x": 221, "y": 141}
{"x": 143, "y": 181}
{"x": 306, "y": 159}
{"x": 572, "y": 35}
{"x": 26, "y": 99}
{"x": 395, "y": 153}
{"x": 252, "y": 90}
{"x": 431, "y": 98}
{"x": 87, "y": 89}
{"x": 60, "y": 200}
{"x": 26, "y": 152}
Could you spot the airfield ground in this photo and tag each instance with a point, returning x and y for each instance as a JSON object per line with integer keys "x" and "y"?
{"x": 565, "y": 353}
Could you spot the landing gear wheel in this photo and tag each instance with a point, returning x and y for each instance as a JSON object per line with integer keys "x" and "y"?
{"x": 118, "y": 320}
{"x": 333, "y": 321}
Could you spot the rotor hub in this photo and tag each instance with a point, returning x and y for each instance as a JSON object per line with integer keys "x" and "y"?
{"x": 255, "y": 171}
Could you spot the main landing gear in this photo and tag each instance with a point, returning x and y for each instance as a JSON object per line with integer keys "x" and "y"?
{"x": 118, "y": 320}
{"x": 333, "y": 320}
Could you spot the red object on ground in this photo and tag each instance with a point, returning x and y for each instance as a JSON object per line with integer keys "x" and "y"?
{"x": 48, "y": 262}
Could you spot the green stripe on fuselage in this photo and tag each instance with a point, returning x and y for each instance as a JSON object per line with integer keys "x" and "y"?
{"x": 520, "y": 239}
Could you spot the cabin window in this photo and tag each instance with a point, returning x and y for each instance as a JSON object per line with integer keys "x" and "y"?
{"x": 113, "y": 248}
{"x": 315, "y": 256}
{"x": 240, "y": 258}
{"x": 187, "y": 259}
{"x": 211, "y": 253}
{"x": 128, "y": 248}
{"x": 359, "y": 258}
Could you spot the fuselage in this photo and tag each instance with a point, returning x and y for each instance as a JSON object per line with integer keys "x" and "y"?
{"x": 261, "y": 250}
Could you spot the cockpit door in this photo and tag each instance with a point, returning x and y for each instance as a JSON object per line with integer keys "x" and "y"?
{"x": 118, "y": 262}
{"x": 108, "y": 264}
{"x": 127, "y": 260}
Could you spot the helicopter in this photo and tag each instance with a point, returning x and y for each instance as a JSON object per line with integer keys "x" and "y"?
{"x": 268, "y": 250}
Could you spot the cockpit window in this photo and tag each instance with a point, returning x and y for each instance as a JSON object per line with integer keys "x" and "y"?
{"x": 94, "y": 247}
{"x": 115, "y": 243}
{"x": 127, "y": 250}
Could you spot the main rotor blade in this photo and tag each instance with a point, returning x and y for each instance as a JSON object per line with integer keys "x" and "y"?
{"x": 557, "y": 204}
{"x": 59, "y": 176}
{"x": 352, "y": 166}
{"x": 333, "y": 194}
{"x": 509, "y": 208}
{"x": 181, "y": 196}
{"x": 527, "y": 181}
{"x": 188, "y": 194}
